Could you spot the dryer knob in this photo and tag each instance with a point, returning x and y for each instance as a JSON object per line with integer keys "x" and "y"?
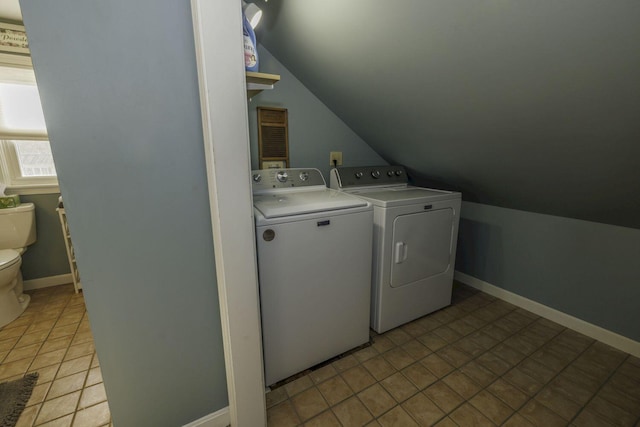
{"x": 257, "y": 177}
{"x": 359, "y": 175}
{"x": 304, "y": 175}
{"x": 375, "y": 174}
{"x": 390, "y": 173}
{"x": 398, "y": 172}
{"x": 282, "y": 176}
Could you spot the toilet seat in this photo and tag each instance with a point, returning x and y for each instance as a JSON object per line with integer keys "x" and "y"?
{"x": 8, "y": 257}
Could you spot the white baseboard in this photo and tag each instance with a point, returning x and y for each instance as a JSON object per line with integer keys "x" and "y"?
{"x": 219, "y": 418}
{"x": 45, "y": 282}
{"x": 596, "y": 332}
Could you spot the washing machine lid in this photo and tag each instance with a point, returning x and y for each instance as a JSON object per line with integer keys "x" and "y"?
{"x": 403, "y": 195}
{"x": 304, "y": 202}
{"x": 8, "y": 257}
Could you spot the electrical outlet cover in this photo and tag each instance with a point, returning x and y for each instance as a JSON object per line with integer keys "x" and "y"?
{"x": 337, "y": 156}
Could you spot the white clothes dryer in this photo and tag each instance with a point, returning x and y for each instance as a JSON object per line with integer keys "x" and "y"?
{"x": 414, "y": 242}
{"x": 314, "y": 265}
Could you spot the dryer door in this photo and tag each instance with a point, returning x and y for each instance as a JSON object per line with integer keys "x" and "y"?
{"x": 421, "y": 245}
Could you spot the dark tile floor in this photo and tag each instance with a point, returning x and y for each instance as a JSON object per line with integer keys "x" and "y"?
{"x": 479, "y": 362}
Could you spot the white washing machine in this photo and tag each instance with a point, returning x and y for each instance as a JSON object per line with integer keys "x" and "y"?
{"x": 314, "y": 265}
{"x": 414, "y": 242}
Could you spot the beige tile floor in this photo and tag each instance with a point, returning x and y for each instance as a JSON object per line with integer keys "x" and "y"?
{"x": 479, "y": 362}
{"x": 53, "y": 337}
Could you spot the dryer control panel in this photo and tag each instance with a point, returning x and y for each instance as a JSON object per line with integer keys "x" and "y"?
{"x": 346, "y": 177}
{"x": 269, "y": 179}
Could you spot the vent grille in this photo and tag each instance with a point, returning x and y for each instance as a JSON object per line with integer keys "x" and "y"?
{"x": 273, "y": 116}
{"x": 273, "y": 136}
{"x": 273, "y": 142}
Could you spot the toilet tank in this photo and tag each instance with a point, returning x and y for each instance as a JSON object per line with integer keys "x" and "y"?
{"x": 17, "y": 226}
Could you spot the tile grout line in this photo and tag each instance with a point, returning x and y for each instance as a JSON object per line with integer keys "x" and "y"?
{"x": 595, "y": 394}
{"x": 419, "y": 391}
{"x": 527, "y": 356}
{"x": 59, "y": 365}
{"x": 68, "y": 305}
{"x": 485, "y": 350}
{"x": 31, "y": 322}
{"x": 57, "y": 369}
{"x": 529, "y": 399}
{"x": 547, "y": 335}
{"x": 456, "y": 369}
{"x": 447, "y": 413}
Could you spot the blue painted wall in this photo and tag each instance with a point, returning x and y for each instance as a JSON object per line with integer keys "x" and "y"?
{"x": 120, "y": 95}
{"x": 48, "y": 255}
{"x": 314, "y": 130}
{"x": 529, "y": 105}
{"x": 586, "y": 269}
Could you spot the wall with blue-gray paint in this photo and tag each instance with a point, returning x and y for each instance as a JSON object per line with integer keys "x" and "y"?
{"x": 529, "y": 105}
{"x": 314, "y": 130}
{"x": 120, "y": 95}
{"x": 48, "y": 255}
{"x": 586, "y": 269}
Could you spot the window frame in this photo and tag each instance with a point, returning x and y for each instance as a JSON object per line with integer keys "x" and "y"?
{"x": 12, "y": 177}
{"x": 10, "y": 173}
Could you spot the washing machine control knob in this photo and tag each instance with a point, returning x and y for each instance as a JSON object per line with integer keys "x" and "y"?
{"x": 257, "y": 177}
{"x": 304, "y": 175}
{"x": 389, "y": 173}
{"x": 375, "y": 174}
{"x": 398, "y": 172}
{"x": 282, "y": 176}
{"x": 359, "y": 175}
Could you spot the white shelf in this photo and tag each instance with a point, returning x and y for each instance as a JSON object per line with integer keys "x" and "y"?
{"x": 257, "y": 82}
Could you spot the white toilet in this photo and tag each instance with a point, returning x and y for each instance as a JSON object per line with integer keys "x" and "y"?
{"x": 17, "y": 231}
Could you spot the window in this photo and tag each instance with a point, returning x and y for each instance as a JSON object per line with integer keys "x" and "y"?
{"x": 26, "y": 160}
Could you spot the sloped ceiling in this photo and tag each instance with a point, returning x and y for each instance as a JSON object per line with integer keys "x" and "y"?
{"x": 531, "y": 105}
